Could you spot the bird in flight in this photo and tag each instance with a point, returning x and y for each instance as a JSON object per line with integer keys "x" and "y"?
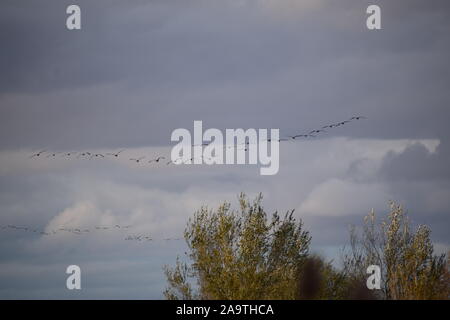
{"x": 97, "y": 155}
{"x": 52, "y": 154}
{"x": 38, "y": 154}
{"x": 306, "y": 135}
{"x": 83, "y": 154}
{"x": 68, "y": 154}
{"x": 191, "y": 160}
{"x": 357, "y": 118}
{"x": 279, "y": 140}
{"x": 341, "y": 123}
{"x": 157, "y": 159}
{"x": 137, "y": 160}
{"x": 176, "y": 161}
{"x": 316, "y": 131}
{"x": 116, "y": 154}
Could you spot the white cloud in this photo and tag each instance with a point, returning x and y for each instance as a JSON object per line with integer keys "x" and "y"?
{"x": 81, "y": 215}
{"x": 340, "y": 198}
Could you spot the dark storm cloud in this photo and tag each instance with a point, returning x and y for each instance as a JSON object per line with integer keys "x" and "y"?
{"x": 160, "y": 65}
{"x": 416, "y": 163}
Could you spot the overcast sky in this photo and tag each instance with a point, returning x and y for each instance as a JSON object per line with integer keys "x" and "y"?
{"x": 137, "y": 70}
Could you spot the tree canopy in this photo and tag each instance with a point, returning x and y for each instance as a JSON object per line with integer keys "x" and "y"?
{"x": 247, "y": 254}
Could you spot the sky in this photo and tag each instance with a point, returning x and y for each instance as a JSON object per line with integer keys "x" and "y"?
{"x": 137, "y": 70}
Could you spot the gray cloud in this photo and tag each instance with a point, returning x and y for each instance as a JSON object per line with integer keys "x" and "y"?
{"x": 161, "y": 65}
{"x": 416, "y": 163}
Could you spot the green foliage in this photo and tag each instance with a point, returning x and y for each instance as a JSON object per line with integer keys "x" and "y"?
{"x": 244, "y": 254}
{"x": 410, "y": 270}
{"x": 240, "y": 254}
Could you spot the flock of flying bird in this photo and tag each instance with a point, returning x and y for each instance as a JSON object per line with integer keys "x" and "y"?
{"x": 81, "y": 231}
{"x": 163, "y": 159}
{"x": 158, "y": 159}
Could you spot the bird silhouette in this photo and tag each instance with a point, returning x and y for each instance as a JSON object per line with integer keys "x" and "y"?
{"x": 316, "y": 131}
{"x": 137, "y": 160}
{"x": 357, "y": 118}
{"x": 53, "y": 154}
{"x": 38, "y": 154}
{"x": 78, "y": 231}
{"x": 83, "y": 154}
{"x": 191, "y": 160}
{"x": 96, "y": 155}
{"x": 68, "y": 154}
{"x": 176, "y": 161}
{"x": 279, "y": 140}
{"x": 115, "y": 154}
{"x": 303, "y": 135}
{"x": 341, "y": 123}
{"x": 244, "y": 146}
{"x": 157, "y": 159}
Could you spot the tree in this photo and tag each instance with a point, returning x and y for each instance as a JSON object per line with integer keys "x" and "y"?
{"x": 410, "y": 270}
{"x": 239, "y": 254}
{"x": 319, "y": 279}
